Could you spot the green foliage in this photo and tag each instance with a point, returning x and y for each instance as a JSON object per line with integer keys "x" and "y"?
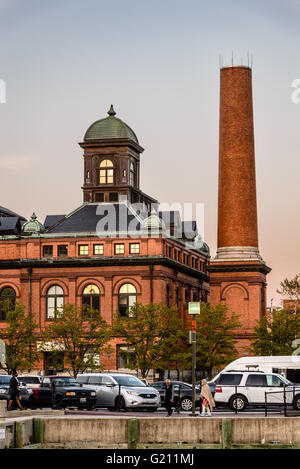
{"x": 215, "y": 341}
{"x": 290, "y": 288}
{"x": 80, "y": 337}
{"x": 20, "y": 339}
{"x": 275, "y": 334}
{"x": 153, "y": 334}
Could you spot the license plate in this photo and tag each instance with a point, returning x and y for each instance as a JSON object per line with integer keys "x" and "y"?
{"x": 83, "y": 399}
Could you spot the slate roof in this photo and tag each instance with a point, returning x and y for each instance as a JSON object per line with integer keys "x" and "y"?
{"x": 103, "y": 217}
{"x": 51, "y": 220}
{"x": 5, "y": 212}
{"x": 9, "y": 225}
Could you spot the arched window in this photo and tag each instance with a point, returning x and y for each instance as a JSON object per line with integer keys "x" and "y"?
{"x": 106, "y": 173}
{"x": 7, "y": 301}
{"x": 55, "y": 301}
{"x": 90, "y": 300}
{"x": 127, "y": 298}
{"x": 132, "y": 174}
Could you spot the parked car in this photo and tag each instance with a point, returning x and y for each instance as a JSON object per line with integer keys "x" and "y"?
{"x": 240, "y": 389}
{"x": 121, "y": 391}
{"x": 68, "y": 393}
{"x": 31, "y": 381}
{"x": 26, "y": 395}
{"x": 182, "y": 394}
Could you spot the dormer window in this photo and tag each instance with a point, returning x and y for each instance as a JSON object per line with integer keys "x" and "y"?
{"x": 106, "y": 173}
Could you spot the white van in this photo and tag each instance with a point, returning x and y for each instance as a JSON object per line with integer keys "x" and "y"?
{"x": 287, "y": 366}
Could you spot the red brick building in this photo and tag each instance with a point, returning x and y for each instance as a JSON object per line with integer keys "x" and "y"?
{"x": 113, "y": 250}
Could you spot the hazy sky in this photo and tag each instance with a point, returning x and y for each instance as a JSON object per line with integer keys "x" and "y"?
{"x": 65, "y": 61}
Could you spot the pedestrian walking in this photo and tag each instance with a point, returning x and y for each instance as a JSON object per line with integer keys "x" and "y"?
{"x": 14, "y": 391}
{"x": 208, "y": 402}
{"x": 169, "y": 397}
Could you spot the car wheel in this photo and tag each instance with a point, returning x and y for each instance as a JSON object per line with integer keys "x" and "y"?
{"x": 186, "y": 403}
{"x": 238, "y": 402}
{"x": 296, "y": 402}
{"x": 120, "y": 403}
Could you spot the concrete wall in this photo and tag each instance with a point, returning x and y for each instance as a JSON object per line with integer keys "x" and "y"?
{"x": 105, "y": 430}
{"x": 161, "y": 430}
{"x": 132, "y": 431}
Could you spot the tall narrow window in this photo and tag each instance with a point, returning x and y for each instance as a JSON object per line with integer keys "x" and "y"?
{"x": 106, "y": 173}
{"x": 7, "y": 301}
{"x": 132, "y": 174}
{"x": 168, "y": 296}
{"x": 127, "y": 298}
{"x": 55, "y": 301}
{"x": 90, "y": 300}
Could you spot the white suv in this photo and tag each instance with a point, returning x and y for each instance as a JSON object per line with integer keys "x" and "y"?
{"x": 239, "y": 389}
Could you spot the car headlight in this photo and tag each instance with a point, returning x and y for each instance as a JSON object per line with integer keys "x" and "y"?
{"x": 2, "y": 391}
{"x": 93, "y": 394}
{"x": 132, "y": 393}
{"x": 70, "y": 393}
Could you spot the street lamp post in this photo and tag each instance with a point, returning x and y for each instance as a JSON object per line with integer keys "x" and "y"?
{"x": 194, "y": 310}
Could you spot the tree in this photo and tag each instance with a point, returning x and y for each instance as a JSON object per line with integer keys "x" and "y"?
{"x": 152, "y": 335}
{"x": 215, "y": 343}
{"x": 20, "y": 340}
{"x": 290, "y": 289}
{"x": 80, "y": 336}
{"x": 275, "y": 335}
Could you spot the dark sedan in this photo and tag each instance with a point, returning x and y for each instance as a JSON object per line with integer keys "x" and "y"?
{"x": 182, "y": 394}
{"x": 26, "y": 395}
{"x": 62, "y": 392}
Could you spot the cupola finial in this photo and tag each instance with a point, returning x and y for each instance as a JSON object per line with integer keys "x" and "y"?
{"x": 111, "y": 112}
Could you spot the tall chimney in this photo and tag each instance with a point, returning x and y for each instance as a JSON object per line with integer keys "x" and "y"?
{"x": 237, "y": 210}
{"x": 237, "y": 272}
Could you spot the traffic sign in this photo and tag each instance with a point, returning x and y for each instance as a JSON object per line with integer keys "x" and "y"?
{"x": 194, "y": 325}
{"x": 194, "y": 308}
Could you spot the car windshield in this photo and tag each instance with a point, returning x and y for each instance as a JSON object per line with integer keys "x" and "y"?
{"x": 5, "y": 379}
{"x": 286, "y": 381}
{"x": 128, "y": 381}
{"x": 66, "y": 381}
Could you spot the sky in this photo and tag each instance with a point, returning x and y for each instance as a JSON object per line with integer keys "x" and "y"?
{"x": 64, "y": 62}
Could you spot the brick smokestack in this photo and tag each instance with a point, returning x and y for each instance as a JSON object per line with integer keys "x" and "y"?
{"x": 237, "y": 210}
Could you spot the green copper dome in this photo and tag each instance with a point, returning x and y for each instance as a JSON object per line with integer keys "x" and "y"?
{"x": 33, "y": 226}
{"x": 109, "y": 128}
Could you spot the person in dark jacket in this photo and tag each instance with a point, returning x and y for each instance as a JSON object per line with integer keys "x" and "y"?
{"x": 14, "y": 391}
{"x": 169, "y": 397}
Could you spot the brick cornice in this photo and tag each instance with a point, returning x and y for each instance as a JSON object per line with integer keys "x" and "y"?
{"x": 106, "y": 261}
